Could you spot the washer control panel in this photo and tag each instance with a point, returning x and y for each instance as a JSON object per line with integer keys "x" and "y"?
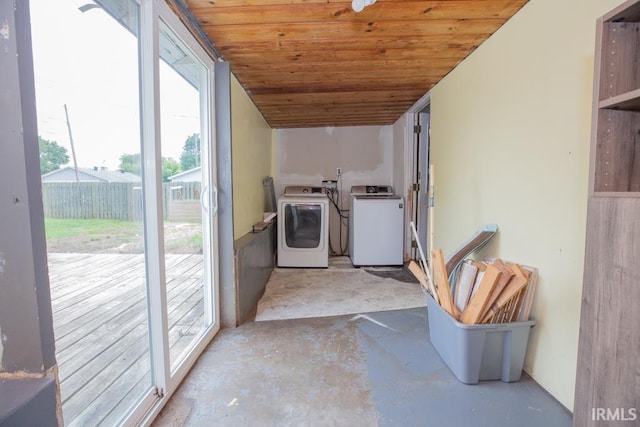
{"x": 371, "y": 190}
{"x": 304, "y": 190}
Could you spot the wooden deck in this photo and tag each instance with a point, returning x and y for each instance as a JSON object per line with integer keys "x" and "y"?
{"x": 100, "y": 322}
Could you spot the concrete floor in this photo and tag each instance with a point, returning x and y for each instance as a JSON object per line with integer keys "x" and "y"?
{"x": 354, "y": 370}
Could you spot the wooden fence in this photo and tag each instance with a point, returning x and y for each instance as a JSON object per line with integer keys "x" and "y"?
{"x": 114, "y": 200}
{"x": 182, "y": 202}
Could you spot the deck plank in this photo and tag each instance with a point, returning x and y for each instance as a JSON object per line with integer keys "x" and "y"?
{"x": 95, "y": 282}
{"x": 100, "y": 322}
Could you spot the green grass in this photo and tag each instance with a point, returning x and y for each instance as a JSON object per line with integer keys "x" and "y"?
{"x": 114, "y": 236}
{"x": 196, "y": 240}
{"x": 66, "y": 228}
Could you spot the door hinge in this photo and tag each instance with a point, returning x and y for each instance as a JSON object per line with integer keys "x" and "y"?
{"x": 159, "y": 392}
{"x": 414, "y": 244}
{"x": 417, "y": 129}
{"x": 416, "y": 186}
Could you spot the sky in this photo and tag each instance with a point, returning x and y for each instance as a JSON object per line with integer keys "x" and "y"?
{"x": 89, "y": 62}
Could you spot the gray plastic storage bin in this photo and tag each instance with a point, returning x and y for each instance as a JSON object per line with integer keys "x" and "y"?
{"x": 478, "y": 352}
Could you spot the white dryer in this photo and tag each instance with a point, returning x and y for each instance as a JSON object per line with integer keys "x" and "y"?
{"x": 303, "y": 227}
{"x": 376, "y": 226}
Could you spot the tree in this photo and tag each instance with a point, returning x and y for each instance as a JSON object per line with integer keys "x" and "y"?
{"x": 131, "y": 163}
{"x": 52, "y": 155}
{"x": 190, "y": 157}
{"x": 170, "y": 167}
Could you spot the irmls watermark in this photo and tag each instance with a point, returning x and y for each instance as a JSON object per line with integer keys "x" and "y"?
{"x": 614, "y": 414}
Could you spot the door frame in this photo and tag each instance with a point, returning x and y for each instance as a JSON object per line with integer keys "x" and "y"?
{"x": 410, "y": 160}
{"x": 422, "y": 215}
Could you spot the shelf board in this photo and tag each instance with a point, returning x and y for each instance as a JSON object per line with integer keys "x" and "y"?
{"x": 626, "y": 101}
{"x": 616, "y": 194}
{"x": 626, "y": 12}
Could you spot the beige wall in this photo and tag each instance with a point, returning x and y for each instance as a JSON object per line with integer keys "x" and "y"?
{"x": 251, "y": 153}
{"x": 309, "y": 156}
{"x": 510, "y": 143}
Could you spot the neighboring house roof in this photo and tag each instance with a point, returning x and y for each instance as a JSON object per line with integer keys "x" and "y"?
{"x": 68, "y": 174}
{"x": 192, "y": 175}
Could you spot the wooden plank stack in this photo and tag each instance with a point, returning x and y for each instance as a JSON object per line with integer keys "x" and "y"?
{"x": 492, "y": 291}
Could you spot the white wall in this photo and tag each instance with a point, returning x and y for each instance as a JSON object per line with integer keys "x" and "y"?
{"x": 308, "y": 156}
{"x": 510, "y": 134}
{"x": 402, "y": 175}
{"x": 399, "y": 131}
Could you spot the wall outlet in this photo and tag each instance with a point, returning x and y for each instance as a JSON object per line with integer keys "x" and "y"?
{"x": 330, "y": 184}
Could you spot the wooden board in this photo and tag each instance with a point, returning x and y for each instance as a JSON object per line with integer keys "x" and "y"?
{"x": 608, "y": 372}
{"x": 517, "y": 282}
{"x": 442, "y": 281}
{"x": 527, "y": 303}
{"x": 517, "y": 303}
{"x": 620, "y": 61}
{"x": 316, "y": 47}
{"x": 464, "y": 285}
{"x": 476, "y": 241}
{"x": 608, "y": 369}
{"x": 415, "y": 269}
{"x": 100, "y": 321}
{"x": 616, "y": 154}
{"x": 472, "y": 314}
{"x": 482, "y": 267}
{"x": 505, "y": 277}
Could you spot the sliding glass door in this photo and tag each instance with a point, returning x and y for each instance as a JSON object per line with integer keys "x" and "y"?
{"x": 180, "y": 194}
{"x": 124, "y": 98}
{"x": 184, "y": 116}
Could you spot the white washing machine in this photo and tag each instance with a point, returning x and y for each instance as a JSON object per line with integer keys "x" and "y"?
{"x": 303, "y": 227}
{"x": 376, "y": 226}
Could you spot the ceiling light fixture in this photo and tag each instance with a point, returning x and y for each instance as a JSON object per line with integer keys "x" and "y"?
{"x": 359, "y": 5}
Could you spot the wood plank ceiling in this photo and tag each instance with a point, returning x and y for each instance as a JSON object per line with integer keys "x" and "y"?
{"x": 314, "y": 63}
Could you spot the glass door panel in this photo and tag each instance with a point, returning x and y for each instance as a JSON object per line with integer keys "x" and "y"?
{"x": 183, "y": 91}
{"x": 86, "y": 78}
